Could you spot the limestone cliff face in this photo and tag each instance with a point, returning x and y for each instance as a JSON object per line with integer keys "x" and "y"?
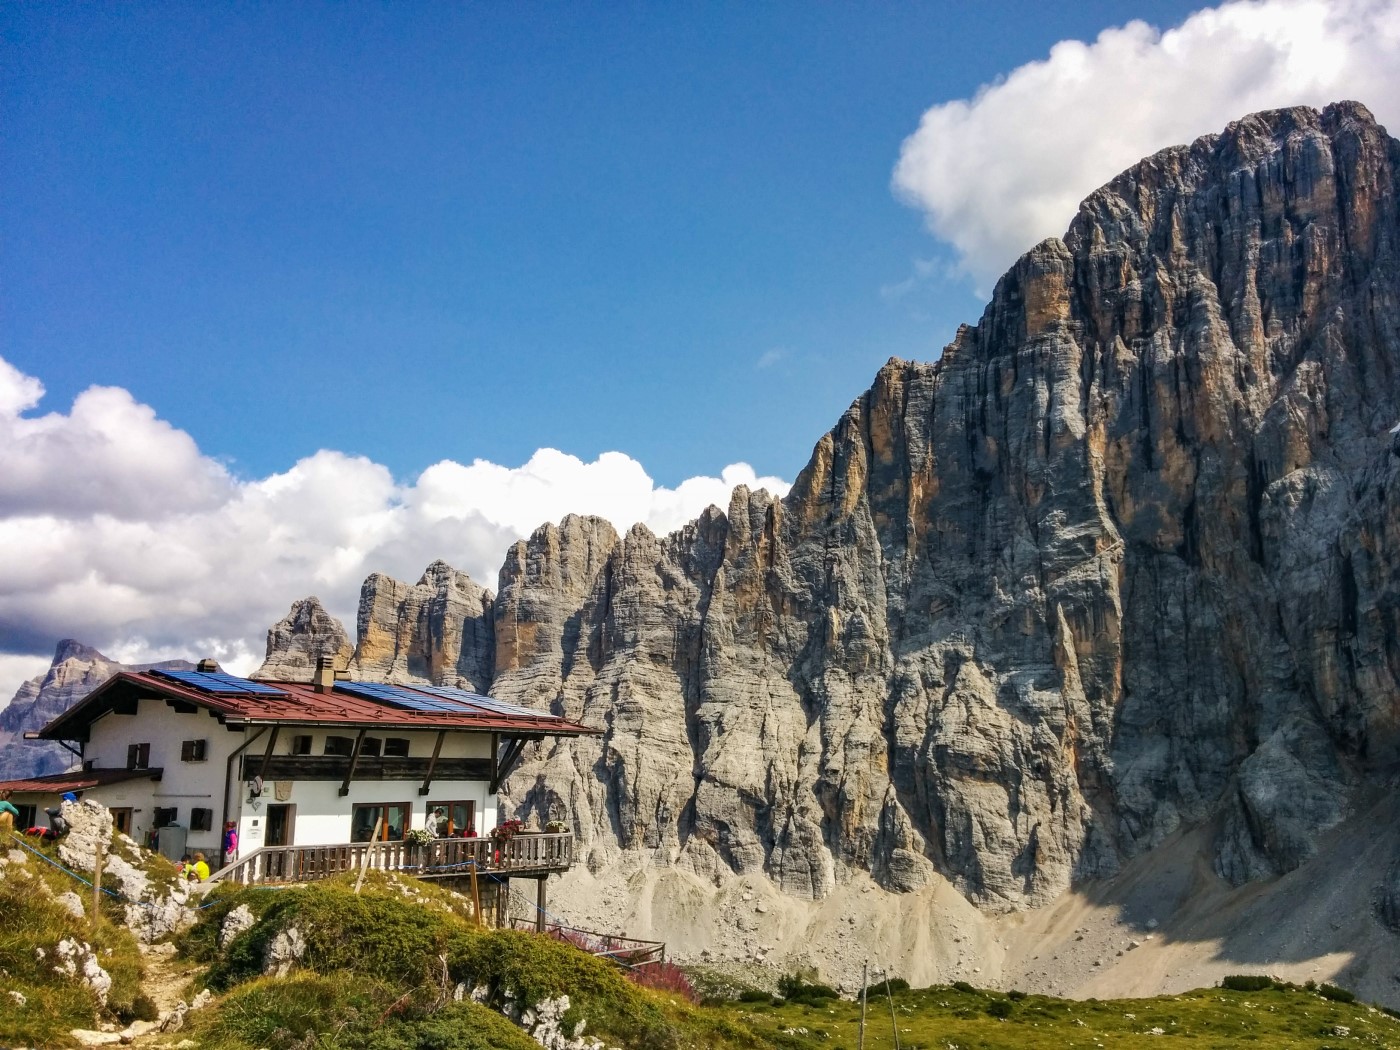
{"x": 76, "y": 670}
{"x": 439, "y": 630}
{"x": 1122, "y": 561}
{"x": 299, "y": 639}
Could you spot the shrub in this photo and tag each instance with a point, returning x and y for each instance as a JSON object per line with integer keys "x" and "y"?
{"x": 1001, "y": 1008}
{"x": 795, "y": 990}
{"x": 1247, "y": 982}
{"x": 892, "y": 986}
{"x": 1016, "y": 995}
{"x": 1335, "y": 994}
{"x": 664, "y": 977}
{"x": 963, "y": 986}
{"x": 754, "y": 995}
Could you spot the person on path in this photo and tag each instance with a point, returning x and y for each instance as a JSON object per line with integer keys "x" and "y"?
{"x": 8, "y": 813}
{"x": 199, "y": 870}
{"x": 230, "y": 842}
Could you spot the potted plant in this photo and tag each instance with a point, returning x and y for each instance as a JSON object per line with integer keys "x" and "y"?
{"x": 555, "y": 827}
{"x": 506, "y": 830}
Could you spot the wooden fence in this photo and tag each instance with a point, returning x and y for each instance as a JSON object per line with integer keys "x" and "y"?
{"x": 625, "y": 951}
{"x": 525, "y": 853}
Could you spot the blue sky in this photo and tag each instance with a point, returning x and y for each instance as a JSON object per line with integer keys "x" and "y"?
{"x": 426, "y": 231}
{"x": 292, "y": 293}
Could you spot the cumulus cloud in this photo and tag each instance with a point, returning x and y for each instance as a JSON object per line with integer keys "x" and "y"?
{"x": 1000, "y": 172}
{"x": 116, "y": 530}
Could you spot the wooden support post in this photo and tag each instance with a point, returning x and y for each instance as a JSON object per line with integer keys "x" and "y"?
{"x": 432, "y": 763}
{"x": 364, "y": 861}
{"x": 502, "y": 903}
{"x": 267, "y": 755}
{"x": 476, "y": 897}
{"x": 354, "y": 761}
{"x": 894, "y": 1024}
{"x": 539, "y": 904}
{"x": 864, "y": 981}
{"x": 504, "y": 763}
{"x": 495, "y": 760}
{"x": 97, "y": 883}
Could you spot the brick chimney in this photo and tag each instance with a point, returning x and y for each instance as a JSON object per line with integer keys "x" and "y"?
{"x": 324, "y": 679}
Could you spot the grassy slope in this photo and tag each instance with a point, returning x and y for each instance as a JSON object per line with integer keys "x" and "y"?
{"x": 380, "y": 971}
{"x": 32, "y": 920}
{"x": 1209, "y": 1019}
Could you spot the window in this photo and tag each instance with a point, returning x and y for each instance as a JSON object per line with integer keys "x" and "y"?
{"x": 455, "y": 820}
{"x": 301, "y": 745}
{"x": 391, "y": 818}
{"x": 201, "y": 819}
{"x": 194, "y": 750}
{"x": 339, "y": 745}
{"x": 138, "y": 756}
{"x": 396, "y": 747}
{"x": 163, "y": 817}
{"x": 28, "y": 815}
{"x": 370, "y": 747}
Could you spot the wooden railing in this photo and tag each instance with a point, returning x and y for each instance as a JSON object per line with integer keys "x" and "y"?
{"x": 524, "y": 853}
{"x": 625, "y": 951}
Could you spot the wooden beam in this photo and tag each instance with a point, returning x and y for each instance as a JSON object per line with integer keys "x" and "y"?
{"x": 267, "y": 755}
{"x": 354, "y": 761}
{"x": 508, "y": 759}
{"x": 495, "y": 760}
{"x": 432, "y": 762}
{"x": 539, "y": 904}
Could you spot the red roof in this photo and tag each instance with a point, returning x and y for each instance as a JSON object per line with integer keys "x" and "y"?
{"x": 300, "y": 703}
{"x": 78, "y": 780}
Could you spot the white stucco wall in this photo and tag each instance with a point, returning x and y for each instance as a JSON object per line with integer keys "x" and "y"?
{"x": 183, "y": 786}
{"x": 322, "y": 815}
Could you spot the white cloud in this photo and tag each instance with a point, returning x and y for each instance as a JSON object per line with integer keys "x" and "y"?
{"x": 769, "y": 358}
{"x": 1000, "y": 172}
{"x": 117, "y": 531}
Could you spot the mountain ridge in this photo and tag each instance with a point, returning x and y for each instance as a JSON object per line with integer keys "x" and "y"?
{"x": 1029, "y": 609}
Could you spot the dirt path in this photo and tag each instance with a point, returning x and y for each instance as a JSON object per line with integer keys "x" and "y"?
{"x": 166, "y": 980}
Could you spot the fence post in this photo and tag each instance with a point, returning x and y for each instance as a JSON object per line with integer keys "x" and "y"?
{"x": 97, "y": 883}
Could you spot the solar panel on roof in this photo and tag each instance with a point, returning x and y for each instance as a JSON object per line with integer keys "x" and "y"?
{"x": 396, "y": 695}
{"x": 486, "y": 703}
{"x": 218, "y": 683}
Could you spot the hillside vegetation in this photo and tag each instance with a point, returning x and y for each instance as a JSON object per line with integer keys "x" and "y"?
{"x": 401, "y": 966}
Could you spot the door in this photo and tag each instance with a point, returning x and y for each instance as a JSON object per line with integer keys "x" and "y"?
{"x": 121, "y": 818}
{"x": 280, "y": 819}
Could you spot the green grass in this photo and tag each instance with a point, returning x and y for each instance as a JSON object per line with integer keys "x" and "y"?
{"x": 388, "y": 955}
{"x": 1208, "y": 1019}
{"x": 34, "y": 922}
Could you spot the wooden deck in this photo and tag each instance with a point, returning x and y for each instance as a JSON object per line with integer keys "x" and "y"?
{"x": 525, "y": 855}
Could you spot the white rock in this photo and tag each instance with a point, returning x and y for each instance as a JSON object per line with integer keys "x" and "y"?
{"x": 235, "y": 922}
{"x": 284, "y": 952}
{"x": 18, "y": 997}
{"x": 88, "y": 1037}
{"x": 71, "y": 902}
{"x": 202, "y": 999}
{"x": 174, "y": 1019}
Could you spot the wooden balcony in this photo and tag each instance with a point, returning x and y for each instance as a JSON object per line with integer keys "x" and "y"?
{"x": 527, "y": 855}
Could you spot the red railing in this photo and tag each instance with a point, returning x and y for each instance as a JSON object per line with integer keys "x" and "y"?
{"x": 626, "y": 951}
